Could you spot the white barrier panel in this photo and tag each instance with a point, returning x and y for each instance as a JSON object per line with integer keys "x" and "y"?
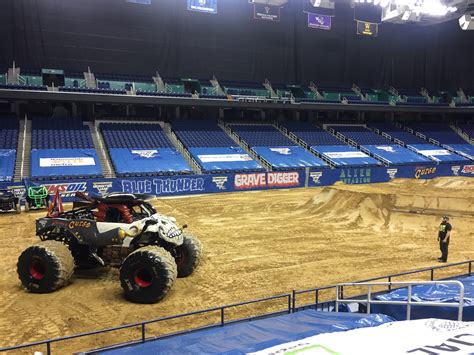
{"x": 213, "y": 158}
{"x": 56, "y": 162}
{"x": 337, "y": 155}
{"x": 423, "y": 336}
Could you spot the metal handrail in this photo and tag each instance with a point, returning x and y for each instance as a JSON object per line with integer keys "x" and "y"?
{"x": 369, "y": 301}
{"x": 143, "y": 324}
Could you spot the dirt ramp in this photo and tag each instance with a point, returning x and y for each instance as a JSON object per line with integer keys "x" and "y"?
{"x": 351, "y": 208}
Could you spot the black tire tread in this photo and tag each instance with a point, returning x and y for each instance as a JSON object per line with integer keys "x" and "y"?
{"x": 161, "y": 256}
{"x": 63, "y": 259}
{"x": 196, "y": 246}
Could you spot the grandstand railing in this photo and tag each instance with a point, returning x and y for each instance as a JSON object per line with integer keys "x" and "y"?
{"x": 369, "y": 301}
{"x": 182, "y": 148}
{"x": 290, "y": 306}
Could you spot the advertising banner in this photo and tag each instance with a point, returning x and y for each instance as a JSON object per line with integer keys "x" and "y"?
{"x": 208, "y": 6}
{"x": 266, "y": 12}
{"x": 367, "y": 28}
{"x": 321, "y": 22}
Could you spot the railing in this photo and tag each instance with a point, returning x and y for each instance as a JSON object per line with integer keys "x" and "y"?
{"x": 142, "y": 325}
{"x": 291, "y": 303}
{"x": 369, "y": 301}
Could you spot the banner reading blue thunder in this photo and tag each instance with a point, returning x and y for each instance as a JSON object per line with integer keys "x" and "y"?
{"x": 266, "y": 12}
{"x": 208, "y": 6}
{"x": 321, "y": 22}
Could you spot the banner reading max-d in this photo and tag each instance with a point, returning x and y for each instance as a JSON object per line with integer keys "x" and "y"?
{"x": 367, "y": 28}
{"x": 266, "y": 12}
{"x": 208, "y": 6}
{"x": 321, "y": 22}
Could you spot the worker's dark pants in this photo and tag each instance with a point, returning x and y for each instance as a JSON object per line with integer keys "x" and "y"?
{"x": 444, "y": 249}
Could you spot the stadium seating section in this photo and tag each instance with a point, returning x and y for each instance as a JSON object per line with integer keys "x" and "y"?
{"x": 138, "y": 149}
{"x": 62, "y": 148}
{"x": 8, "y": 146}
{"x": 336, "y": 151}
{"x": 380, "y": 147}
{"x": 418, "y": 144}
{"x": 211, "y": 147}
{"x": 275, "y": 148}
{"x": 442, "y": 134}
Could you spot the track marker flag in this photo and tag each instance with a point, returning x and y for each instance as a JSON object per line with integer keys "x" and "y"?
{"x": 56, "y": 207}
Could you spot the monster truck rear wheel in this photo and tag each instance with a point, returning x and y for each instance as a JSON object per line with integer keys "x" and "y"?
{"x": 147, "y": 274}
{"x": 188, "y": 255}
{"x": 45, "y": 267}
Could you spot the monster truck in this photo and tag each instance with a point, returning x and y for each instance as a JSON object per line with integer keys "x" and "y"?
{"x": 37, "y": 197}
{"x": 8, "y": 201}
{"x": 118, "y": 230}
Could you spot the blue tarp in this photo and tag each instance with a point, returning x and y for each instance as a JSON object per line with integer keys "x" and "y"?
{"x": 289, "y": 157}
{"x": 55, "y": 163}
{"x": 241, "y": 338}
{"x": 466, "y": 150}
{"x": 7, "y": 164}
{"x": 438, "y": 154}
{"x": 435, "y": 293}
{"x": 395, "y": 154}
{"x": 345, "y": 155}
{"x": 224, "y": 159}
{"x": 147, "y": 161}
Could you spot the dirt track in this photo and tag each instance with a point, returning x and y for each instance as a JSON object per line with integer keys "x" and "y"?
{"x": 256, "y": 244}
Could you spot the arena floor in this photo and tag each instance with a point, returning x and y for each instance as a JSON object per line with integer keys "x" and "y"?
{"x": 257, "y": 244}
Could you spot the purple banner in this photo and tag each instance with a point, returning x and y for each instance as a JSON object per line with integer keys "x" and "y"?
{"x": 322, "y": 22}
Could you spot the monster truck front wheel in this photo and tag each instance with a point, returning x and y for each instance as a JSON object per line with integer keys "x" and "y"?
{"x": 188, "y": 255}
{"x": 147, "y": 274}
{"x": 45, "y": 267}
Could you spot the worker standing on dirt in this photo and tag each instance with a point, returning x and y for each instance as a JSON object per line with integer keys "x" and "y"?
{"x": 444, "y": 234}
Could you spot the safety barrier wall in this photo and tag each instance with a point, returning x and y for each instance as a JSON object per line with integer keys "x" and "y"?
{"x": 203, "y": 184}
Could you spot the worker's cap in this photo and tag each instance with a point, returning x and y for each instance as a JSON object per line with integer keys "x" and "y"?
{"x": 445, "y": 217}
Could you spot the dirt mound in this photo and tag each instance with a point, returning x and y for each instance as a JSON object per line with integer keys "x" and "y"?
{"x": 351, "y": 208}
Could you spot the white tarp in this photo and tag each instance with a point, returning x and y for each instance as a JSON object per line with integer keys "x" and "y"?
{"x": 58, "y": 162}
{"x": 434, "y": 152}
{"x": 338, "y": 155}
{"x": 213, "y": 158}
{"x": 423, "y": 336}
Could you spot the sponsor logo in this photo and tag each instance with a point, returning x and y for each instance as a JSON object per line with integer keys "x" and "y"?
{"x": 316, "y": 176}
{"x": 163, "y": 186}
{"x": 468, "y": 169}
{"x": 220, "y": 181}
{"x": 102, "y": 187}
{"x": 150, "y": 153}
{"x": 66, "y": 189}
{"x": 392, "y": 173}
{"x": 272, "y": 179}
{"x": 356, "y": 176}
{"x": 420, "y": 172}
{"x": 17, "y": 191}
{"x": 283, "y": 151}
{"x": 79, "y": 224}
{"x": 455, "y": 169}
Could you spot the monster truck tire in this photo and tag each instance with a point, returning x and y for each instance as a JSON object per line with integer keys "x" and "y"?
{"x": 147, "y": 274}
{"x": 45, "y": 267}
{"x": 188, "y": 255}
{"x": 27, "y": 206}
